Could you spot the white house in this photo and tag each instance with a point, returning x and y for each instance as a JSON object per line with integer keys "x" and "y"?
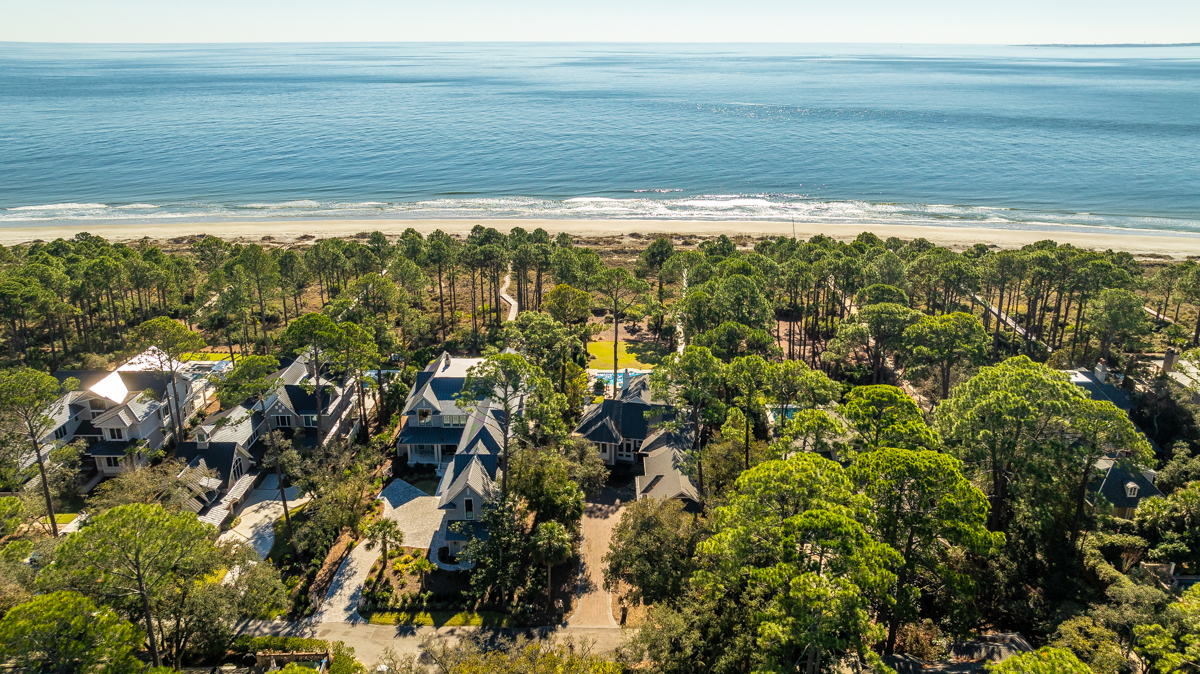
{"x": 127, "y": 410}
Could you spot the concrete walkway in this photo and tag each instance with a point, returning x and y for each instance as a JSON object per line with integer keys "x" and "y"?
{"x": 419, "y": 519}
{"x": 594, "y": 607}
{"x": 259, "y": 514}
{"x": 369, "y": 641}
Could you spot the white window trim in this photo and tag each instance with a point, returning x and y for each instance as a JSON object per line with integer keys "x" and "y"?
{"x": 115, "y": 433}
{"x": 283, "y": 420}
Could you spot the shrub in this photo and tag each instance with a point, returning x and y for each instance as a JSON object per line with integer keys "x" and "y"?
{"x": 248, "y": 644}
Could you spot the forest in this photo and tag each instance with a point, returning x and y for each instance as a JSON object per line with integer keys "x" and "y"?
{"x": 890, "y": 451}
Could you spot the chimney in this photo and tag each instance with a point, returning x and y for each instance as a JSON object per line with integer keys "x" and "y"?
{"x": 1101, "y": 371}
{"x": 1169, "y": 359}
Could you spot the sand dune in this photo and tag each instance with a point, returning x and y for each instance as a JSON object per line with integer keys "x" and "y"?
{"x": 1140, "y": 242}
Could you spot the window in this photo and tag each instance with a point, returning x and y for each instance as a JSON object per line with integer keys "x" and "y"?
{"x": 116, "y": 434}
{"x": 97, "y": 405}
{"x": 283, "y": 421}
{"x": 310, "y": 421}
{"x": 470, "y": 506}
{"x": 454, "y": 420}
{"x": 237, "y": 468}
{"x": 424, "y": 417}
{"x": 60, "y": 432}
{"x": 112, "y": 461}
{"x": 1131, "y": 489}
{"x": 201, "y": 436}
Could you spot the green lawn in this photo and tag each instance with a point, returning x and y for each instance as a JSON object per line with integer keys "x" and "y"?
{"x": 637, "y": 355}
{"x": 428, "y": 485}
{"x": 205, "y": 356}
{"x": 280, "y": 547}
{"x": 443, "y": 618}
{"x": 63, "y": 518}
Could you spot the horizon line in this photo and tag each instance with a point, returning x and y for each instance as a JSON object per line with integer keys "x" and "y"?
{"x": 621, "y": 42}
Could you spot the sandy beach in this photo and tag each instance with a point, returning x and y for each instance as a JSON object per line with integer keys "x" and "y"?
{"x": 1135, "y": 241}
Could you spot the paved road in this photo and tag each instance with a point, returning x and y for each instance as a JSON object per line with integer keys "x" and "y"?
{"x": 594, "y": 608}
{"x": 419, "y": 519}
{"x": 370, "y": 640}
{"x": 258, "y": 516}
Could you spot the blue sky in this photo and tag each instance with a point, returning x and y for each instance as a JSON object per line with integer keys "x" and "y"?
{"x": 913, "y": 21}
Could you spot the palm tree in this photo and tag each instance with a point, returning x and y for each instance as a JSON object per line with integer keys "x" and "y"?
{"x": 552, "y": 544}
{"x": 422, "y": 567}
{"x": 386, "y": 534}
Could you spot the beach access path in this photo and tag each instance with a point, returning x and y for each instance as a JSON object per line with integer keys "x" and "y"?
{"x": 512, "y": 304}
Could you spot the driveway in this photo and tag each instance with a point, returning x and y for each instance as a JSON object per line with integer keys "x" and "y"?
{"x": 258, "y": 516}
{"x": 418, "y": 517}
{"x": 599, "y": 517}
{"x": 369, "y": 641}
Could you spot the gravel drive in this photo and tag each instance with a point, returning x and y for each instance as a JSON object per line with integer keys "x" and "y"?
{"x": 599, "y": 518}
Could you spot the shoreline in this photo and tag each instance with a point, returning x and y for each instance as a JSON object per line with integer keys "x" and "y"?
{"x": 1142, "y": 242}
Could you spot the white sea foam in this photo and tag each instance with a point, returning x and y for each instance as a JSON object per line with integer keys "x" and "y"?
{"x": 749, "y": 207}
{"x": 58, "y": 207}
{"x": 300, "y": 203}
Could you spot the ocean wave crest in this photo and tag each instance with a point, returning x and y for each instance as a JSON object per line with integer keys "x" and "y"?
{"x": 654, "y": 206}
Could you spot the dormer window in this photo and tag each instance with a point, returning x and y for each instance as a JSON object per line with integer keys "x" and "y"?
{"x": 1131, "y": 489}
{"x": 201, "y": 436}
{"x": 424, "y": 417}
{"x": 454, "y": 420}
{"x": 116, "y": 434}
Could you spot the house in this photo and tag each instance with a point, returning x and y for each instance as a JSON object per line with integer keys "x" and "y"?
{"x": 435, "y": 426}
{"x": 1122, "y": 486}
{"x": 1098, "y": 384}
{"x": 1118, "y": 482}
{"x": 467, "y": 484}
{"x": 126, "y": 412}
{"x": 229, "y": 444}
{"x": 464, "y": 444}
{"x": 619, "y": 426}
{"x": 662, "y": 461}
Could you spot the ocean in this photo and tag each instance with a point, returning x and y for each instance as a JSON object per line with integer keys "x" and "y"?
{"x": 1016, "y": 137}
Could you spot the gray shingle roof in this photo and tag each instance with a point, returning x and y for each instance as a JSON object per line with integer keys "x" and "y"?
{"x": 1112, "y": 481}
{"x": 1086, "y": 380}
{"x": 477, "y": 471}
{"x": 664, "y": 476}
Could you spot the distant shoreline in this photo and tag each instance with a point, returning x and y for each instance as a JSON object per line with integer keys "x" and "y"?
{"x": 1118, "y": 45}
{"x": 1175, "y": 244}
